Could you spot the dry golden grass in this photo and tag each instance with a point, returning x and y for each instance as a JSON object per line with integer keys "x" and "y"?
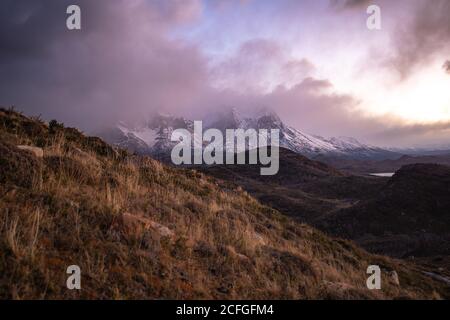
{"x": 139, "y": 229}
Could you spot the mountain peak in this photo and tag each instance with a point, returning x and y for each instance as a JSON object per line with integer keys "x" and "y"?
{"x": 155, "y": 133}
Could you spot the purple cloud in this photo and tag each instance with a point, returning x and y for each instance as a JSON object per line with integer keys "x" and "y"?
{"x": 114, "y": 68}
{"x": 130, "y": 60}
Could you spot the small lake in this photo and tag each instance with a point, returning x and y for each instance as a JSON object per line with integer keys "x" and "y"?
{"x": 386, "y": 174}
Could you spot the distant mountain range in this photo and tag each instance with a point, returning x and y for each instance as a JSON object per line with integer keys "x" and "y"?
{"x": 153, "y": 136}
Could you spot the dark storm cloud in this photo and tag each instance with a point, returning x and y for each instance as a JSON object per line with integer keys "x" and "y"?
{"x": 114, "y": 68}
{"x": 427, "y": 34}
{"x": 446, "y": 66}
{"x": 350, "y": 4}
{"x": 27, "y": 28}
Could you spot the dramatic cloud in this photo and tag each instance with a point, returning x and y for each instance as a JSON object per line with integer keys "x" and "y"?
{"x": 350, "y": 4}
{"x": 446, "y": 66}
{"x": 427, "y": 34}
{"x": 134, "y": 57}
{"x": 314, "y": 101}
{"x": 260, "y": 65}
{"x": 311, "y": 105}
{"x": 115, "y": 67}
{"x": 118, "y": 68}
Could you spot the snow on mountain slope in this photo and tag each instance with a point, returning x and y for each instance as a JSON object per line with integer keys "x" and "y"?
{"x": 153, "y": 136}
{"x": 296, "y": 140}
{"x": 150, "y": 137}
{"x": 144, "y": 134}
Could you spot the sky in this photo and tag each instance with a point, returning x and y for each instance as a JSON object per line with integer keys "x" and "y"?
{"x": 314, "y": 62}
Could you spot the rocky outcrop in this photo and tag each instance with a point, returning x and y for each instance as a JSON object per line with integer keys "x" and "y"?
{"x": 18, "y": 168}
{"x": 37, "y": 152}
{"x": 393, "y": 277}
{"x": 132, "y": 224}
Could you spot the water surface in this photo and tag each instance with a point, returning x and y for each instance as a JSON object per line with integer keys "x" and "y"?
{"x": 386, "y": 174}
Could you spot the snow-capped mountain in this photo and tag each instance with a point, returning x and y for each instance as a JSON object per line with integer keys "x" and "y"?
{"x": 153, "y": 136}
{"x": 149, "y": 137}
{"x": 296, "y": 140}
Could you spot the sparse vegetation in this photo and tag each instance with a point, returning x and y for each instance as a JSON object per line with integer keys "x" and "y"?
{"x": 139, "y": 229}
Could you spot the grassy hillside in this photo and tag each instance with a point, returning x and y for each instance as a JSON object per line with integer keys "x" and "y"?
{"x": 139, "y": 229}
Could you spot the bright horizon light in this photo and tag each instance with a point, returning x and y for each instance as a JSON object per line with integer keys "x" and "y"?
{"x": 424, "y": 98}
